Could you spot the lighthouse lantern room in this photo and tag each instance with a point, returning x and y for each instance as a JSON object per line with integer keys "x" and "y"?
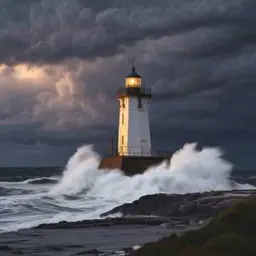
{"x": 134, "y": 132}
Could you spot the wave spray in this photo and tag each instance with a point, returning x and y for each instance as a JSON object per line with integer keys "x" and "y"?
{"x": 190, "y": 170}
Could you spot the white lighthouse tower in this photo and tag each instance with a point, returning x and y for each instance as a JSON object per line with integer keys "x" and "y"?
{"x": 134, "y": 132}
{"x": 134, "y": 153}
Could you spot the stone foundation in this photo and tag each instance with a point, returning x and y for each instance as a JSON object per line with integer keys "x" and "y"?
{"x": 130, "y": 165}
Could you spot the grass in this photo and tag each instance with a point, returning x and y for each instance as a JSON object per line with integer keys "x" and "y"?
{"x": 231, "y": 233}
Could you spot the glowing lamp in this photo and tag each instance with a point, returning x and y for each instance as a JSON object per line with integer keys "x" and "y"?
{"x": 133, "y": 79}
{"x": 133, "y": 82}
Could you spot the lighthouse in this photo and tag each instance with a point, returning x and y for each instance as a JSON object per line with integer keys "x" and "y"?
{"x": 134, "y": 153}
{"x": 134, "y": 131}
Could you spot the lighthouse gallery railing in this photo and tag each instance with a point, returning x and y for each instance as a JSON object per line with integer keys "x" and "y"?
{"x": 138, "y": 152}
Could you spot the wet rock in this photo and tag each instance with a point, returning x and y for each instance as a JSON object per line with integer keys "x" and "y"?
{"x": 18, "y": 252}
{"x": 167, "y": 225}
{"x": 120, "y": 253}
{"x": 161, "y": 208}
{"x": 54, "y": 248}
{"x": 188, "y": 208}
{"x": 161, "y": 205}
{"x": 127, "y": 250}
{"x": 89, "y": 252}
{"x": 73, "y": 246}
{"x": 105, "y": 223}
{"x": 180, "y": 226}
{"x": 5, "y": 248}
{"x": 197, "y": 205}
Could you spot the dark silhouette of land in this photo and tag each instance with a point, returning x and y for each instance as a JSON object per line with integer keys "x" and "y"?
{"x": 231, "y": 233}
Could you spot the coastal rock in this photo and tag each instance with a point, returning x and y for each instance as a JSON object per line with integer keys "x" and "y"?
{"x": 186, "y": 210}
{"x": 196, "y": 205}
{"x": 149, "y": 221}
{"x": 232, "y": 232}
{"x": 89, "y": 252}
{"x": 5, "y": 248}
{"x": 160, "y": 205}
{"x": 163, "y": 205}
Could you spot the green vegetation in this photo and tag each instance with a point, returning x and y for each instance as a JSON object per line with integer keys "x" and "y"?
{"x": 231, "y": 233}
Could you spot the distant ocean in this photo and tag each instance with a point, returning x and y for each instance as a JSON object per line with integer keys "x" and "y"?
{"x": 33, "y": 196}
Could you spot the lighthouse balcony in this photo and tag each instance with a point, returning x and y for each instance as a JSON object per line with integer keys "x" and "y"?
{"x": 134, "y": 92}
{"x": 137, "y": 152}
{"x": 134, "y": 151}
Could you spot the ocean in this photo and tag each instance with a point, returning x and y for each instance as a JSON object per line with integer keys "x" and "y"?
{"x": 33, "y": 196}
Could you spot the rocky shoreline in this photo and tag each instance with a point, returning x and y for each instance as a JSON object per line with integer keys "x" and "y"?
{"x": 232, "y": 232}
{"x": 142, "y": 222}
{"x": 179, "y": 212}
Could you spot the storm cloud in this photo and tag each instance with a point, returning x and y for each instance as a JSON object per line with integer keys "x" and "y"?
{"x": 52, "y": 31}
{"x": 62, "y": 62}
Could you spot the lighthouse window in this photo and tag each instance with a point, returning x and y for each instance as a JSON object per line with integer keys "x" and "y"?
{"x": 122, "y": 118}
{"x": 122, "y": 139}
{"x": 123, "y": 104}
{"x": 139, "y": 103}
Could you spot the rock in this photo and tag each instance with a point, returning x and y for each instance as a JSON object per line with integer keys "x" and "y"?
{"x": 167, "y": 225}
{"x": 161, "y": 208}
{"x": 90, "y": 252}
{"x": 197, "y": 205}
{"x": 5, "y": 248}
{"x": 160, "y": 205}
{"x": 127, "y": 250}
{"x": 54, "y": 248}
{"x": 120, "y": 253}
{"x": 181, "y": 226}
{"x": 188, "y": 208}
{"x": 18, "y": 252}
{"x": 232, "y": 232}
{"x": 152, "y": 221}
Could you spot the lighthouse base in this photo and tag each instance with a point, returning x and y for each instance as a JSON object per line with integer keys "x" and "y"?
{"x": 130, "y": 165}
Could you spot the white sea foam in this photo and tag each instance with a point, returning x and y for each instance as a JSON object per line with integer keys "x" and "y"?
{"x": 37, "y": 180}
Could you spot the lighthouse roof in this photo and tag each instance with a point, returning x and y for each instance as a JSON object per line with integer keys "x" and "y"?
{"x": 133, "y": 73}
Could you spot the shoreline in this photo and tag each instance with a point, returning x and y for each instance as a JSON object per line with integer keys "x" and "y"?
{"x": 120, "y": 235}
{"x": 174, "y": 211}
{"x": 231, "y": 232}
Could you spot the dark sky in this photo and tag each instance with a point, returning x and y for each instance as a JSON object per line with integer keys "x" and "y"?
{"x": 62, "y": 62}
